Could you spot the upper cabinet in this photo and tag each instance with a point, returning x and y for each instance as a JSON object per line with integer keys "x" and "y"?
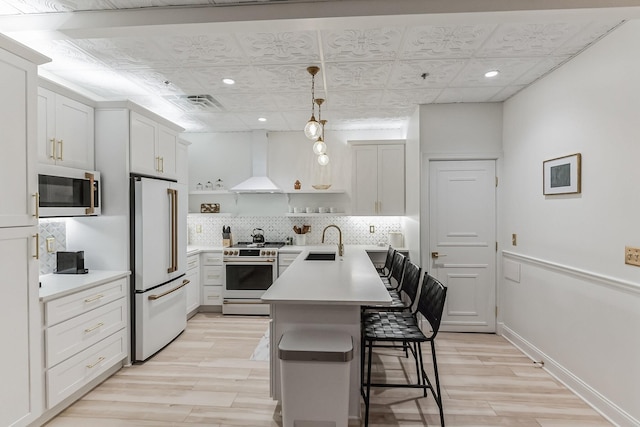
{"x": 153, "y": 148}
{"x": 378, "y": 179}
{"x": 18, "y": 160}
{"x": 65, "y": 131}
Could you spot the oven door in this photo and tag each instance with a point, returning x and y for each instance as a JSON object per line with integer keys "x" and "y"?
{"x": 248, "y": 279}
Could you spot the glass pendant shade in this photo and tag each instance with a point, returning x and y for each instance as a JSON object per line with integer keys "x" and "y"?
{"x": 319, "y": 147}
{"x": 312, "y": 129}
{"x": 323, "y": 159}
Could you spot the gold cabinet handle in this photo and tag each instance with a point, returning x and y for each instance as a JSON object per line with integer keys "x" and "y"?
{"x": 92, "y": 206}
{"x": 37, "y": 255}
{"x": 157, "y": 164}
{"x": 100, "y": 359}
{"x": 53, "y": 149}
{"x": 93, "y": 328}
{"x": 61, "y": 145}
{"x": 37, "y": 209}
{"x": 161, "y": 164}
{"x": 94, "y": 298}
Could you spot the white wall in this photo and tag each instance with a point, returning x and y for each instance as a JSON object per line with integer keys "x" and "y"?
{"x": 411, "y": 221}
{"x": 576, "y": 304}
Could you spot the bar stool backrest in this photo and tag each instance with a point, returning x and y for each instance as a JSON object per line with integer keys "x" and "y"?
{"x": 388, "y": 262}
{"x": 411, "y": 281}
{"x": 397, "y": 268}
{"x": 431, "y": 302}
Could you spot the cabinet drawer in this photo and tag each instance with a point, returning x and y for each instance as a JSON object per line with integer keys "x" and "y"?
{"x": 70, "y": 375}
{"x": 193, "y": 261}
{"x": 212, "y": 258}
{"x": 68, "y": 338}
{"x": 67, "y": 307}
{"x": 212, "y": 275}
{"x": 287, "y": 259}
{"x": 212, "y": 295}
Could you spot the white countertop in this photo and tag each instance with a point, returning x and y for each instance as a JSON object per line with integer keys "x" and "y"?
{"x": 195, "y": 249}
{"x": 349, "y": 280}
{"x": 58, "y": 285}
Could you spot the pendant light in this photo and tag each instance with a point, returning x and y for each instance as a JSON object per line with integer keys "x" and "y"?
{"x": 320, "y": 147}
{"x": 312, "y": 128}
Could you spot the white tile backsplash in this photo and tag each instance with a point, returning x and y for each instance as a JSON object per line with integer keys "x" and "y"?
{"x": 355, "y": 229}
{"x": 56, "y": 228}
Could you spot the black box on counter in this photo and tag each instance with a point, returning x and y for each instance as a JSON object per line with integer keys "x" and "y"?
{"x": 70, "y": 263}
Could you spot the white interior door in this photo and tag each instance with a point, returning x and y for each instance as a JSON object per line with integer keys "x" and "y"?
{"x": 462, "y": 229}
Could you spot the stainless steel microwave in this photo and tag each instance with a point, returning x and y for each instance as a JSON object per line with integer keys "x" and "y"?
{"x": 68, "y": 192}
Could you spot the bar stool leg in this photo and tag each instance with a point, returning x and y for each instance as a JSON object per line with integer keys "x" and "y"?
{"x": 368, "y": 393}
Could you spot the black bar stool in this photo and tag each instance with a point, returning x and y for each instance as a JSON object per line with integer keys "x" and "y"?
{"x": 403, "y": 326}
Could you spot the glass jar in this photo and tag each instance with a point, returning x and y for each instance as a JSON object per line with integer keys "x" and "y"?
{"x": 208, "y": 186}
{"x": 199, "y": 186}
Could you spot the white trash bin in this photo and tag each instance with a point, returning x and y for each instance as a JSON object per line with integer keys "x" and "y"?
{"x": 314, "y": 374}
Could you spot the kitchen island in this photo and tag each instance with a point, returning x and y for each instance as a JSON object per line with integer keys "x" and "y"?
{"x": 324, "y": 295}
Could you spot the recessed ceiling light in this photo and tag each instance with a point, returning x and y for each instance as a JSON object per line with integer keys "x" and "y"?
{"x": 262, "y": 119}
{"x": 228, "y": 81}
{"x": 491, "y": 73}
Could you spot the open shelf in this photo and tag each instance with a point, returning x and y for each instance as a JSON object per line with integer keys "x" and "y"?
{"x": 314, "y": 214}
{"x": 207, "y": 192}
{"x": 312, "y": 191}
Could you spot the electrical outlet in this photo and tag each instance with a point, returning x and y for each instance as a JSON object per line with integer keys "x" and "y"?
{"x": 198, "y": 228}
{"x": 372, "y": 229}
{"x": 514, "y": 239}
{"x": 632, "y": 256}
{"x": 51, "y": 244}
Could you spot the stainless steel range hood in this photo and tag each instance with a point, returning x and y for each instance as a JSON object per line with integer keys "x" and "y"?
{"x": 259, "y": 181}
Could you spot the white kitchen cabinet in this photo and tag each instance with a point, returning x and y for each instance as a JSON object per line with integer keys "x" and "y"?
{"x": 153, "y": 147}
{"x": 18, "y": 160}
{"x": 20, "y": 319}
{"x": 378, "y": 179}
{"x": 285, "y": 260}
{"x": 85, "y": 336}
{"x": 20, "y": 369}
{"x": 211, "y": 268}
{"x": 65, "y": 131}
{"x": 193, "y": 287}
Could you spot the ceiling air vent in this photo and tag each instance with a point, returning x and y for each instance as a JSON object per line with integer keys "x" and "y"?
{"x": 196, "y": 103}
{"x": 205, "y": 102}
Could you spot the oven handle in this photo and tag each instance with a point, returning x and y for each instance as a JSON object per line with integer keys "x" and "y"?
{"x": 270, "y": 261}
{"x": 158, "y": 296}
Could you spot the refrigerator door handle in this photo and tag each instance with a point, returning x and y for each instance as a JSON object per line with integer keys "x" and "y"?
{"x": 173, "y": 218}
{"x": 158, "y": 296}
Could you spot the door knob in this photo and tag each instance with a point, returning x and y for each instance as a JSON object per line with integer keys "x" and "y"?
{"x": 435, "y": 255}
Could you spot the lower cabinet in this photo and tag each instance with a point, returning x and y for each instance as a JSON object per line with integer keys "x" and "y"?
{"x": 211, "y": 270}
{"x": 85, "y": 336}
{"x": 193, "y": 287}
{"x": 285, "y": 260}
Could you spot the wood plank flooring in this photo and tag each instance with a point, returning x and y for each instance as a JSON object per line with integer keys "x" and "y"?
{"x": 206, "y": 378}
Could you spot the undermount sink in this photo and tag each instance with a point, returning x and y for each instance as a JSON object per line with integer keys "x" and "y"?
{"x": 321, "y": 256}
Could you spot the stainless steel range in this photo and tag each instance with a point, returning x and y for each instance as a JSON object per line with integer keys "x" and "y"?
{"x": 248, "y": 271}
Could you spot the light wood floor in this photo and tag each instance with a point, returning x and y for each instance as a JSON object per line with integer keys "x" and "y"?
{"x": 206, "y": 378}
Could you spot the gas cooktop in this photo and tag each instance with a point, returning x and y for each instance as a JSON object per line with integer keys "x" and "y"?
{"x": 258, "y": 245}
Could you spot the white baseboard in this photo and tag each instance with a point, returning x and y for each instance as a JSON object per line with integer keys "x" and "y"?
{"x": 592, "y": 397}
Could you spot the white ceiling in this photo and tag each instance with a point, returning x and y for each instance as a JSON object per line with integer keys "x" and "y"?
{"x": 156, "y": 52}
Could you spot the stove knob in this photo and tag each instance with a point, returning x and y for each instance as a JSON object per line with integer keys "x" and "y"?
{"x": 226, "y": 253}
{"x": 235, "y": 252}
{"x": 263, "y": 253}
{"x": 273, "y": 253}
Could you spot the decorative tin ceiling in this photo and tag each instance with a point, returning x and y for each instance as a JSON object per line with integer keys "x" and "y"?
{"x": 372, "y": 75}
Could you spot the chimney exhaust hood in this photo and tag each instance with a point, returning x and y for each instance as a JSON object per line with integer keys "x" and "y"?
{"x": 259, "y": 181}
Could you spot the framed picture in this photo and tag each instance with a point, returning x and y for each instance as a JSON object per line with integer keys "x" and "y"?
{"x": 562, "y": 175}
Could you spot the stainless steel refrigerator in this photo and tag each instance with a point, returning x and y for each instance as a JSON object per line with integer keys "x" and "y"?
{"x": 158, "y": 248}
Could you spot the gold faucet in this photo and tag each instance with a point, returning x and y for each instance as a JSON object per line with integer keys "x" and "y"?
{"x": 340, "y": 245}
